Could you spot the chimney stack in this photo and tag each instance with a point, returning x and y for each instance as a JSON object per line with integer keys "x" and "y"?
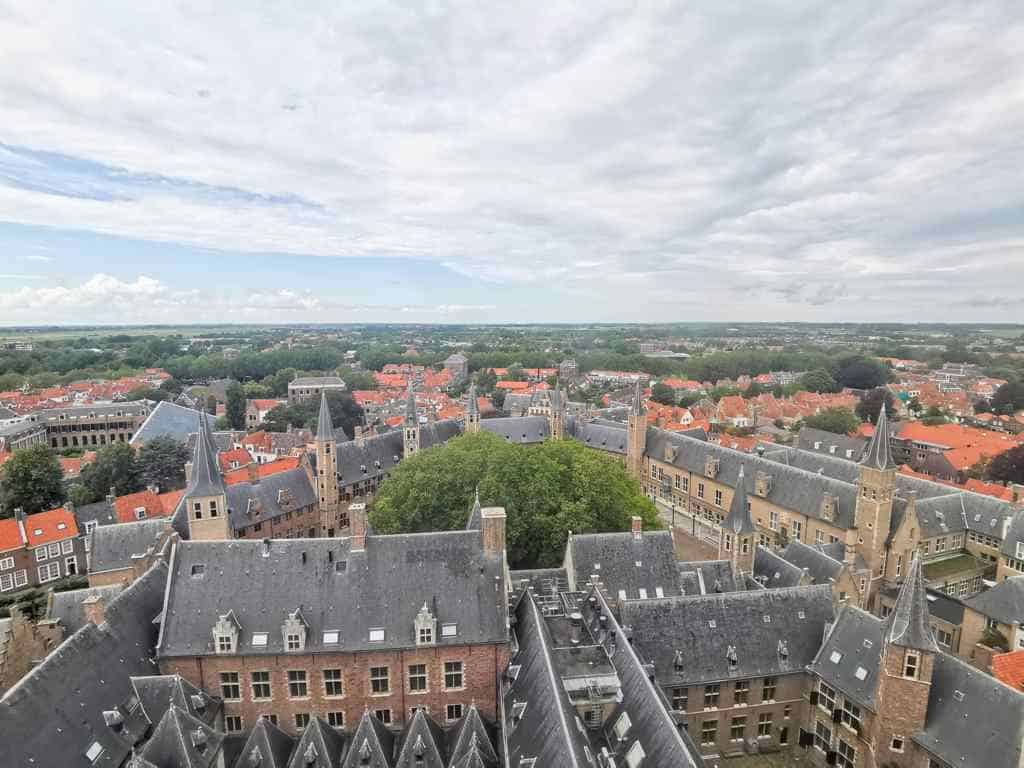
{"x": 19, "y": 515}
{"x": 188, "y": 472}
{"x": 576, "y": 627}
{"x": 637, "y": 526}
{"x": 357, "y": 525}
{"x": 253, "y": 471}
{"x": 111, "y": 495}
{"x": 492, "y": 525}
{"x": 94, "y": 609}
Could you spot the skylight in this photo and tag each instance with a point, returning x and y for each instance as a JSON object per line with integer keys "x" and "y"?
{"x": 836, "y": 657}
{"x": 377, "y": 635}
{"x": 259, "y": 639}
{"x": 331, "y": 637}
{"x": 861, "y": 673}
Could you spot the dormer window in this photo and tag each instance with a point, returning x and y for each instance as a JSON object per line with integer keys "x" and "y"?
{"x": 294, "y": 631}
{"x": 425, "y": 626}
{"x": 225, "y": 633}
{"x": 213, "y": 507}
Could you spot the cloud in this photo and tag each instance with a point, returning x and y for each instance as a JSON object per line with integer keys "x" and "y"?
{"x": 807, "y": 160}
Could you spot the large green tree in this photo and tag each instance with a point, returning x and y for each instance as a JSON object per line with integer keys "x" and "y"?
{"x": 1008, "y": 466}
{"x": 818, "y": 380}
{"x": 841, "y": 421}
{"x": 1009, "y": 398}
{"x": 871, "y": 404}
{"x": 161, "y": 462}
{"x": 664, "y": 394}
{"x": 115, "y": 467}
{"x": 859, "y": 372}
{"x": 235, "y": 409}
{"x": 346, "y": 413}
{"x": 547, "y": 490}
{"x": 32, "y": 480}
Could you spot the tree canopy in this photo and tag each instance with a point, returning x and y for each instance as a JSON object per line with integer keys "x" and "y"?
{"x": 235, "y": 409}
{"x": 859, "y": 372}
{"x": 841, "y": 421}
{"x": 664, "y": 394}
{"x": 1009, "y": 398}
{"x": 161, "y": 462}
{"x": 546, "y": 490}
{"x": 818, "y": 380}
{"x": 31, "y": 479}
{"x": 1008, "y": 466}
{"x": 346, "y": 413}
{"x": 871, "y": 404}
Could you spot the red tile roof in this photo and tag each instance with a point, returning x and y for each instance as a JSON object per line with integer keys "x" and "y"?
{"x": 239, "y": 455}
{"x": 1009, "y": 668}
{"x": 264, "y": 470}
{"x": 513, "y": 386}
{"x": 125, "y": 506}
{"x": 54, "y": 525}
{"x": 266, "y": 405}
{"x": 10, "y": 536}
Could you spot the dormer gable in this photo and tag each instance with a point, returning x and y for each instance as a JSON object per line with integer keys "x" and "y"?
{"x": 425, "y": 626}
{"x": 225, "y": 633}
{"x": 294, "y": 632}
{"x": 711, "y": 467}
{"x": 762, "y": 484}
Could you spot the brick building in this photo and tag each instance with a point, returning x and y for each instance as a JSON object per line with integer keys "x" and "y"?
{"x": 306, "y": 387}
{"x": 40, "y": 548}
{"x": 93, "y": 425}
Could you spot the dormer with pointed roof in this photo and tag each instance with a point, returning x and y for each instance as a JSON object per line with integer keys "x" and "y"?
{"x": 879, "y": 454}
{"x": 267, "y": 747}
{"x": 324, "y": 427}
{"x": 181, "y": 739}
{"x": 908, "y": 625}
{"x": 205, "y": 497}
{"x": 422, "y": 744}
{"x": 475, "y": 521}
{"x": 372, "y": 744}
{"x": 739, "y": 532}
{"x": 320, "y": 746}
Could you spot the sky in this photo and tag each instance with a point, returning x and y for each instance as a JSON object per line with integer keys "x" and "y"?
{"x": 482, "y": 162}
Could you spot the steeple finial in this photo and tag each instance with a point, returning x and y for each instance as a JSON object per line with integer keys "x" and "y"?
{"x": 739, "y": 520}
{"x": 879, "y": 455}
{"x": 324, "y": 427}
{"x": 410, "y": 407}
{"x": 475, "y": 521}
{"x": 908, "y": 624}
{"x": 206, "y": 479}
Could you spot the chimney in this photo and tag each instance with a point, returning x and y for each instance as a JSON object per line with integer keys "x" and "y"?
{"x": 188, "y": 472}
{"x": 575, "y": 627}
{"x": 492, "y": 525}
{"x": 153, "y": 488}
{"x": 360, "y": 434}
{"x": 94, "y": 609}
{"x": 253, "y": 472}
{"x": 1017, "y": 489}
{"x": 357, "y": 525}
{"x": 111, "y": 495}
{"x": 19, "y": 515}
{"x": 637, "y": 526}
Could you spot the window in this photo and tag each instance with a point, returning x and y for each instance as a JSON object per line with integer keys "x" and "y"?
{"x": 453, "y": 674}
{"x": 738, "y": 728}
{"x": 910, "y": 665}
{"x": 259, "y": 639}
{"x": 426, "y": 635}
{"x": 301, "y": 720}
{"x": 377, "y": 635}
{"x": 230, "y": 690}
{"x": 53, "y": 550}
{"x": 700, "y": 495}
{"x": 332, "y": 683}
{"x": 40, "y": 554}
{"x": 379, "y": 680}
{"x": 225, "y": 644}
{"x": 718, "y": 498}
{"x": 846, "y": 756}
{"x": 232, "y": 723}
{"x": 260, "y": 685}
{"x": 826, "y": 697}
{"x": 742, "y": 692}
{"x": 417, "y": 677}
{"x": 49, "y": 572}
{"x": 213, "y": 513}
{"x": 819, "y": 537}
{"x": 773, "y": 519}
{"x": 6, "y": 563}
{"x": 709, "y": 732}
{"x": 297, "y": 688}
{"x": 293, "y": 642}
{"x": 945, "y": 638}
{"x": 449, "y": 630}
{"x": 686, "y": 484}
{"x": 896, "y": 745}
{"x": 768, "y": 689}
{"x": 822, "y": 737}
{"x": 680, "y": 699}
{"x": 384, "y": 715}
{"x": 67, "y": 546}
{"x": 453, "y": 712}
{"x": 711, "y": 693}
{"x": 6, "y": 582}
{"x": 336, "y": 719}
{"x": 764, "y": 725}
{"x": 851, "y": 715}
{"x": 622, "y": 725}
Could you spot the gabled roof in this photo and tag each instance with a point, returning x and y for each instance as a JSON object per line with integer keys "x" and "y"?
{"x": 422, "y": 743}
{"x": 774, "y": 571}
{"x": 972, "y": 719}
{"x": 626, "y": 563}
{"x": 519, "y": 429}
{"x": 114, "y": 545}
{"x": 1008, "y": 668}
{"x": 172, "y": 420}
{"x": 372, "y": 744}
{"x": 739, "y": 519}
{"x": 689, "y": 639}
{"x": 1004, "y": 602}
{"x": 821, "y": 567}
{"x": 907, "y": 626}
{"x": 604, "y": 435}
{"x": 250, "y": 503}
{"x": 320, "y": 746}
{"x": 182, "y": 741}
{"x": 472, "y": 735}
{"x": 48, "y": 527}
{"x": 850, "y": 658}
{"x": 158, "y": 692}
{"x": 67, "y": 606}
{"x": 324, "y": 427}
{"x": 206, "y": 479}
{"x": 267, "y": 747}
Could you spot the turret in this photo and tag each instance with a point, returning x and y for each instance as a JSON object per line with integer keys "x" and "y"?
{"x": 411, "y": 430}
{"x": 636, "y": 438}
{"x": 205, "y": 497}
{"x": 739, "y": 533}
{"x": 472, "y": 411}
{"x": 327, "y": 470}
{"x": 876, "y": 485}
{"x": 556, "y": 417}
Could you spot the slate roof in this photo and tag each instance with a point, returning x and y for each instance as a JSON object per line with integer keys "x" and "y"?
{"x": 317, "y": 381}
{"x": 156, "y": 693}
{"x": 266, "y": 747}
{"x": 206, "y": 479}
{"x": 784, "y": 644}
{"x": 625, "y": 563}
{"x": 101, "y": 512}
{"x": 1014, "y": 536}
{"x": 351, "y": 592}
{"x": 320, "y": 746}
{"x": 324, "y": 427}
{"x": 878, "y": 454}
{"x": 67, "y": 606}
{"x": 972, "y": 719}
{"x": 182, "y": 741}
{"x": 354, "y": 456}
{"x": 853, "y": 644}
{"x": 1004, "y": 602}
{"x": 707, "y": 577}
{"x": 940, "y": 605}
{"x": 907, "y": 626}
{"x": 774, "y": 571}
{"x": 739, "y": 520}
{"x": 820, "y": 567}
{"x": 840, "y": 446}
{"x": 57, "y": 708}
{"x": 519, "y": 429}
{"x": 372, "y": 744}
{"x": 172, "y": 420}
{"x": 605, "y": 436}
{"x": 114, "y": 545}
{"x": 268, "y": 497}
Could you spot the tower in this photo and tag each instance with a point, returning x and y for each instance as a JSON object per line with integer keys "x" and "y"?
{"x": 876, "y": 485}
{"x": 411, "y": 431}
{"x": 327, "y": 469}
{"x": 472, "y": 412}
{"x": 636, "y": 438}
{"x": 907, "y": 663}
{"x": 556, "y": 415}
{"x": 205, "y": 498}
{"x": 739, "y": 533}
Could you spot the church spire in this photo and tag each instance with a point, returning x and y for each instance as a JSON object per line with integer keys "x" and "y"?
{"x": 324, "y": 428}
{"x": 878, "y": 455}
{"x": 410, "y": 407}
{"x": 472, "y": 406}
{"x": 638, "y": 403}
{"x": 739, "y": 521}
{"x": 206, "y": 479}
{"x": 908, "y": 625}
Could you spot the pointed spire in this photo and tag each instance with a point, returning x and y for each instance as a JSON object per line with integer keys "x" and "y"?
{"x": 206, "y": 479}
{"x": 472, "y": 406}
{"x": 878, "y": 455}
{"x": 908, "y": 624}
{"x": 475, "y": 521}
{"x": 638, "y": 403}
{"x": 410, "y": 407}
{"x": 739, "y": 520}
{"x": 324, "y": 427}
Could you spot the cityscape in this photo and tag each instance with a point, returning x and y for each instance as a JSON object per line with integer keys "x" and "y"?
{"x": 570, "y": 386}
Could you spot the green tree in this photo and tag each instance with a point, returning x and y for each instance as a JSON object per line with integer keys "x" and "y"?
{"x": 664, "y": 394}
{"x": 753, "y": 390}
{"x": 148, "y": 393}
{"x": 547, "y": 490}
{"x": 869, "y": 406}
{"x": 841, "y": 421}
{"x": 79, "y": 495}
{"x": 498, "y": 398}
{"x": 515, "y": 373}
{"x": 485, "y": 380}
{"x": 346, "y": 413}
{"x": 859, "y": 372}
{"x": 818, "y": 380}
{"x": 115, "y": 467}
{"x": 32, "y": 480}
{"x": 235, "y": 409}
{"x": 161, "y": 462}
{"x": 1009, "y": 398}
{"x": 934, "y": 415}
{"x": 1007, "y": 467}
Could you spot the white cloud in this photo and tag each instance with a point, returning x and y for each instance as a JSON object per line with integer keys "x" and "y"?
{"x": 807, "y": 160}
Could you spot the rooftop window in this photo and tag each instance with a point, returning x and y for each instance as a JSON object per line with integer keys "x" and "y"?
{"x": 259, "y": 639}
